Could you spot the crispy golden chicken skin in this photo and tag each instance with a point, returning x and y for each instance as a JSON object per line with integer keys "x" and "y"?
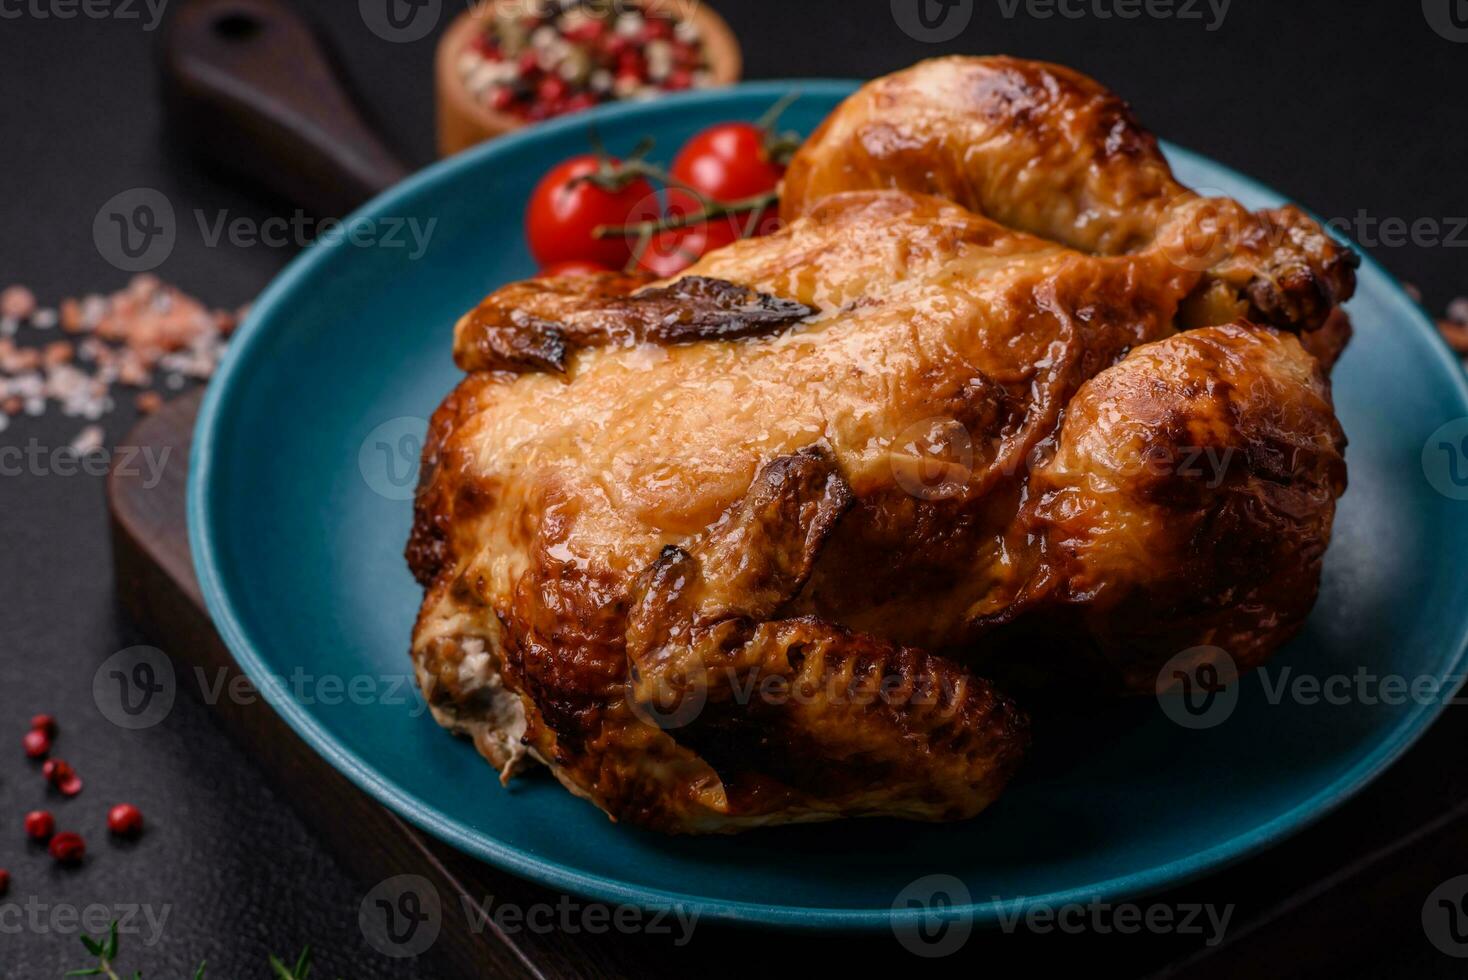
{"x": 1001, "y": 401}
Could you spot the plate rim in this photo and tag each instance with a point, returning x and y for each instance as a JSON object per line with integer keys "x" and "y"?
{"x": 553, "y": 874}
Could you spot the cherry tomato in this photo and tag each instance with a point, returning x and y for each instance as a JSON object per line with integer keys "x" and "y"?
{"x": 571, "y": 268}
{"x": 564, "y": 212}
{"x": 729, "y": 162}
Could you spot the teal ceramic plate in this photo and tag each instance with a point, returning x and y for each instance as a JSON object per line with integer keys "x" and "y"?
{"x": 298, "y": 512}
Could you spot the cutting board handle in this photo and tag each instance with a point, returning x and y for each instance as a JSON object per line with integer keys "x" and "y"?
{"x": 248, "y": 84}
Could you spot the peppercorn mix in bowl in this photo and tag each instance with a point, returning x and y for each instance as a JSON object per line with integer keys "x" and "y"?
{"x": 507, "y": 63}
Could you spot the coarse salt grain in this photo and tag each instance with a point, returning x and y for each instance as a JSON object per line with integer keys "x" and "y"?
{"x": 87, "y": 441}
{"x": 17, "y": 302}
{"x": 93, "y": 309}
{"x": 133, "y": 330}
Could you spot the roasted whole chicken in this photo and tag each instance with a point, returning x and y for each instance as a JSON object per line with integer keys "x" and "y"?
{"x": 1002, "y": 411}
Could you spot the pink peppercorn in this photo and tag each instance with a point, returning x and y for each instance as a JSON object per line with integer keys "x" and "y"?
{"x": 68, "y": 847}
{"x": 39, "y": 825}
{"x": 36, "y": 743}
{"x": 125, "y": 820}
{"x": 60, "y": 774}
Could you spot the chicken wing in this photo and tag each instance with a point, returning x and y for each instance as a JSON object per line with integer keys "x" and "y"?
{"x": 741, "y": 548}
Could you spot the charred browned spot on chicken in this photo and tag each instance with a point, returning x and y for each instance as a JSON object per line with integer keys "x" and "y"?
{"x": 533, "y": 327}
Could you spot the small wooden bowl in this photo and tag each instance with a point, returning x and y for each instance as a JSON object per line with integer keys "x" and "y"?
{"x": 463, "y": 121}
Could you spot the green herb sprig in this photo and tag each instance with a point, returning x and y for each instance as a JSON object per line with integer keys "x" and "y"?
{"x": 105, "y": 950}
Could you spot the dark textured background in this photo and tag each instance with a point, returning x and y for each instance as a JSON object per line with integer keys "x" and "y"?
{"x": 1349, "y": 108}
